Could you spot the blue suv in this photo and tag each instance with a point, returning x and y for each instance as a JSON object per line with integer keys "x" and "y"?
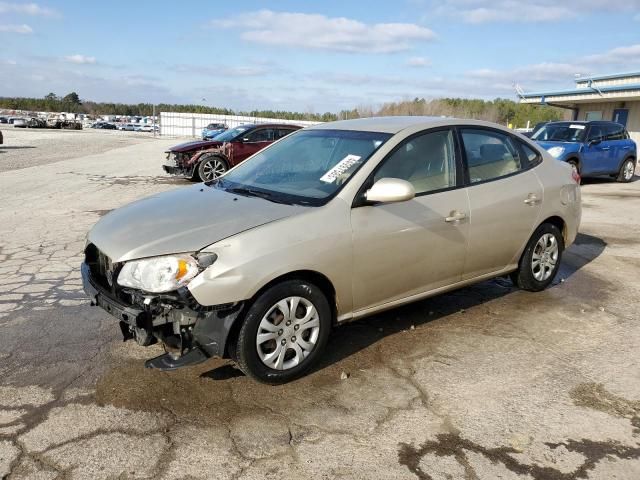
{"x": 593, "y": 148}
{"x": 212, "y": 130}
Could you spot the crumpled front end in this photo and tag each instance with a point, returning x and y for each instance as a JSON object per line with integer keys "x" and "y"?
{"x": 190, "y": 333}
{"x": 180, "y": 164}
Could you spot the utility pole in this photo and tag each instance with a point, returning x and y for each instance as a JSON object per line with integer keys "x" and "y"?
{"x": 154, "y": 120}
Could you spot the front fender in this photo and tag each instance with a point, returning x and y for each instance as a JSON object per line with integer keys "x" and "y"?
{"x": 195, "y": 159}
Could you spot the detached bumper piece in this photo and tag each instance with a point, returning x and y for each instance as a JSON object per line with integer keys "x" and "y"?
{"x": 167, "y": 362}
{"x": 190, "y": 333}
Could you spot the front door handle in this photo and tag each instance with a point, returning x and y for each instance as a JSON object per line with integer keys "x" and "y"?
{"x": 455, "y": 217}
{"x": 532, "y": 199}
{"x": 605, "y": 148}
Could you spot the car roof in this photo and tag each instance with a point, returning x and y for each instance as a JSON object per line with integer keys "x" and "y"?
{"x": 252, "y": 125}
{"x": 394, "y": 125}
{"x": 590, "y": 122}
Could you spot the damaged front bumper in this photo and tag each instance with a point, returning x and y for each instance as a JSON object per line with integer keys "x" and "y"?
{"x": 191, "y": 333}
{"x": 176, "y": 164}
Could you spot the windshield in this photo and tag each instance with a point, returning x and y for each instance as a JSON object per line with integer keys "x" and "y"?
{"x": 231, "y": 134}
{"x": 305, "y": 167}
{"x": 560, "y": 132}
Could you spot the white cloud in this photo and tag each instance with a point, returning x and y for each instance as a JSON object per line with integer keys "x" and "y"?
{"x": 27, "y": 9}
{"x": 545, "y": 75}
{"x": 622, "y": 56}
{"x": 80, "y": 59}
{"x": 21, "y": 29}
{"x": 314, "y": 31}
{"x": 418, "y": 62}
{"x": 485, "y": 11}
{"x": 224, "y": 71}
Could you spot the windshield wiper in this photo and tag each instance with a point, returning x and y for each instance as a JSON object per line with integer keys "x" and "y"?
{"x": 248, "y": 192}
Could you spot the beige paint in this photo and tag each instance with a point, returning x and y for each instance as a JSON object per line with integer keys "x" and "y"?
{"x": 381, "y": 256}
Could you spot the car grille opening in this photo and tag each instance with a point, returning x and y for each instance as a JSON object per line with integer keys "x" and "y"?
{"x": 102, "y": 269}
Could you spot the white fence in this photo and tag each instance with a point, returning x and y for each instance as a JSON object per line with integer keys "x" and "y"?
{"x": 191, "y": 124}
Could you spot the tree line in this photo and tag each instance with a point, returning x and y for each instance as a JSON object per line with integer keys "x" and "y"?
{"x": 500, "y": 110}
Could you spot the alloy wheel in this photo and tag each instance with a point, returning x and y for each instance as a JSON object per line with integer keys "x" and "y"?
{"x": 544, "y": 257}
{"x": 288, "y": 333}
{"x": 629, "y": 170}
{"x": 212, "y": 169}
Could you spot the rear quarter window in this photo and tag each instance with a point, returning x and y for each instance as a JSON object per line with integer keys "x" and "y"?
{"x": 532, "y": 156}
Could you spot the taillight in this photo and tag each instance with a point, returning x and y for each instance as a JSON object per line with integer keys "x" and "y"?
{"x": 575, "y": 175}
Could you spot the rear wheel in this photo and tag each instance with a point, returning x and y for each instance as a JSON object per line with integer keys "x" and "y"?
{"x": 540, "y": 260}
{"x": 627, "y": 170}
{"x": 284, "y": 332}
{"x": 211, "y": 167}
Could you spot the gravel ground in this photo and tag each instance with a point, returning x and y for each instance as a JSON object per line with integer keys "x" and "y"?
{"x": 482, "y": 383}
{"x": 30, "y": 147}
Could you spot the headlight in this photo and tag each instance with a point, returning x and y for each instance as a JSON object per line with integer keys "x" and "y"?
{"x": 159, "y": 274}
{"x": 556, "y": 151}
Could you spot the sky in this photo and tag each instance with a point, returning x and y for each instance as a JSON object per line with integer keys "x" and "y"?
{"x": 310, "y": 56}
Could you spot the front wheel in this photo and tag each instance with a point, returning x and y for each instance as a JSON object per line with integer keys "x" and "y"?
{"x": 284, "y": 332}
{"x": 627, "y": 170}
{"x": 211, "y": 167}
{"x": 540, "y": 260}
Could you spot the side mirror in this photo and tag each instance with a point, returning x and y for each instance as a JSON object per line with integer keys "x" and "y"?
{"x": 594, "y": 141}
{"x": 244, "y": 140}
{"x": 390, "y": 190}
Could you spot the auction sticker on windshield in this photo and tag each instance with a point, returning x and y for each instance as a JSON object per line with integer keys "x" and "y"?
{"x": 579, "y": 127}
{"x": 342, "y": 166}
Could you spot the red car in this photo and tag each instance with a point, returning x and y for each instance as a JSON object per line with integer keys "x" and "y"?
{"x": 205, "y": 160}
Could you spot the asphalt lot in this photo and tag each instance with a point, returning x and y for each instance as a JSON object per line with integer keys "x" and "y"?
{"x": 483, "y": 383}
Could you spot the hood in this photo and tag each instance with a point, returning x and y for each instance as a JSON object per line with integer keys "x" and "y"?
{"x": 195, "y": 145}
{"x": 568, "y": 146}
{"x": 183, "y": 220}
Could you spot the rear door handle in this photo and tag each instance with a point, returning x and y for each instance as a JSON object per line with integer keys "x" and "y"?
{"x": 605, "y": 148}
{"x": 626, "y": 147}
{"x": 532, "y": 199}
{"x": 455, "y": 217}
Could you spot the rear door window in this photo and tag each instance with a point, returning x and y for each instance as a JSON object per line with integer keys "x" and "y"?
{"x": 261, "y": 135}
{"x": 614, "y": 132}
{"x": 490, "y": 154}
{"x": 283, "y": 132}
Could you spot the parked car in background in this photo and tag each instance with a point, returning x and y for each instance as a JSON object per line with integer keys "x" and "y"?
{"x": 591, "y": 148}
{"x": 208, "y": 159}
{"x": 129, "y": 127}
{"x": 332, "y": 223}
{"x": 36, "y": 122}
{"x": 19, "y": 122}
{"x": 105, "y": 126}
{"x": 212, "y": 130}
{"x": 537, "y": 127}
{"x": 147, "y": 128}
{"x": 4, "y": 120}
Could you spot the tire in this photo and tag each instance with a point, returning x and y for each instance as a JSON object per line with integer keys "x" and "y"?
{"x": 627, "y": 170}
{"x": 275, "y": 360}
{"x": 211, "y": 167}
{"x": 532, "y": 277}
